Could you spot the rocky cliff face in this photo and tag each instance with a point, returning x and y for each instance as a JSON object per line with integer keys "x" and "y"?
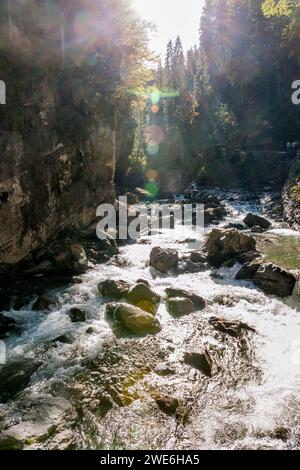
{"x": 58, "y": 129}
{"x": 47, "y": 185}
{"x": 291, "y": 195}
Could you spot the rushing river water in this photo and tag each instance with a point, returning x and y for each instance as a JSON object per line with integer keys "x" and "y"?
{"x": 252, "y": 402}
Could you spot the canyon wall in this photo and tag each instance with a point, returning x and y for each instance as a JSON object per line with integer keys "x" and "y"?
{"x": 58, "y": 129}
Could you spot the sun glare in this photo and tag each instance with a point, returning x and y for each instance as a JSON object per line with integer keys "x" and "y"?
{"x": 171, "y": 18}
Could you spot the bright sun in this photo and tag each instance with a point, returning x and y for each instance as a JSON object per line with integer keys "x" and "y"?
{"x": 171, "y": 18}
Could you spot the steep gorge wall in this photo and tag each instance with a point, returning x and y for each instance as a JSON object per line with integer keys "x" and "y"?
{"x": 57, "y": 130}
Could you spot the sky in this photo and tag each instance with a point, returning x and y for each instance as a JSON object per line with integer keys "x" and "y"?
{"x": 172, "y": 17}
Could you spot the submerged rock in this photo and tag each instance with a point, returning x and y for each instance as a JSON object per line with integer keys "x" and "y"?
{"x": 7, "y": 324}
{"x": 114, "y": 289}
{"x": 253, "y": 220}
{"x": 257, "y": 229}
{"x": 77, "y": 316}
{"x": 274, "y": 280}
{"x": 198, "y": 301}
{"x": 163, "y": 259}
{"x": 200, "y": 361}
{"x": 180, "y": 306}
{"x": 134, "y": 319}
{"x": 231, "y": 327}
{"x": 44, "y": 302}
{"x": 225, "y": 245}
{"x": 143, "y": 297}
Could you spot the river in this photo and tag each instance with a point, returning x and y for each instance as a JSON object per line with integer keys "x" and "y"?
{"x": 251, "y": 402}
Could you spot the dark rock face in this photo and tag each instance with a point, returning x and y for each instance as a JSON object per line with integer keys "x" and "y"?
{"x": 254, "y": 220}
{"x": 7, "y": 324}
{"x": 163, "y": 259}
{"x": 274, "y": 280}
{"x": 57, "y": 157}
{"x": 227, "y": 245}
{"x": 77, "y": 316}
{"x": 43, "y": 303}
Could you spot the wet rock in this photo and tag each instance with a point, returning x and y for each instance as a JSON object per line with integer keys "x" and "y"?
{"x": 179, "y": 307}
{"x": 143, "y": 281}
{"x": 65, "y": 339}
{"x": 89, "y": 331}
{"x": 164, "y": 370}
{"x": 15, "y": 376}
{"x": 187, "y": 266}
{"x": 214, "y": 214}
{"x": 134, "y": 319}
{"x": 77, "y": 316}
{"x": 7, "y": 324}
{"x": 167, "y": 404}
{"x": 224, "y": 245}
{"x": 257, "y": 229}
{"x": 248, "y": 270}
{"x": 143, "y": 297}
{"x": 274, "y": 280}
{"x": 44, "y": 302}
{"x": 114, "y": 289}
{"x": 253, "y": 220}
{"x": 39, "y": 422}
{"x": 200, "y": 361}
{"x": 198, "y": 257}
{"x": 198, "y": 301}
{"x": 163, "y": 259}
{"x": 79, "y": 259}
{"x": 231, "y": 327}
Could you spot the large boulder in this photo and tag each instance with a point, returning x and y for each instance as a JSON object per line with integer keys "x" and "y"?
{"x": 180, "y": 306}
{"x": 134, "y": 319}
{"x": 198, "y": 301}
{"x": 144, "y": 297}
{"x": 227, "y": 245}
{"x": 7, "y": 324}
{"x": 254, "y": 220}
{"x": 163, "y": 259}
{"x": 274, "y": 280}
{"x": 114, "y": 289}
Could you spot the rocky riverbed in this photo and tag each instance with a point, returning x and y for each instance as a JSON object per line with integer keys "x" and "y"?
{"x": 163, "y": 346}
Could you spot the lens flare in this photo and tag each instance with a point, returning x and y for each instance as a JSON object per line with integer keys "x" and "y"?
{"x": 152, "y": 149}
{"x": 155, "y": 97}
{"x": 154, "y": 108}
{"x": 154, "y": 135}
{"x": 152, "y": 188}
{"x": 152, "y": 175}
